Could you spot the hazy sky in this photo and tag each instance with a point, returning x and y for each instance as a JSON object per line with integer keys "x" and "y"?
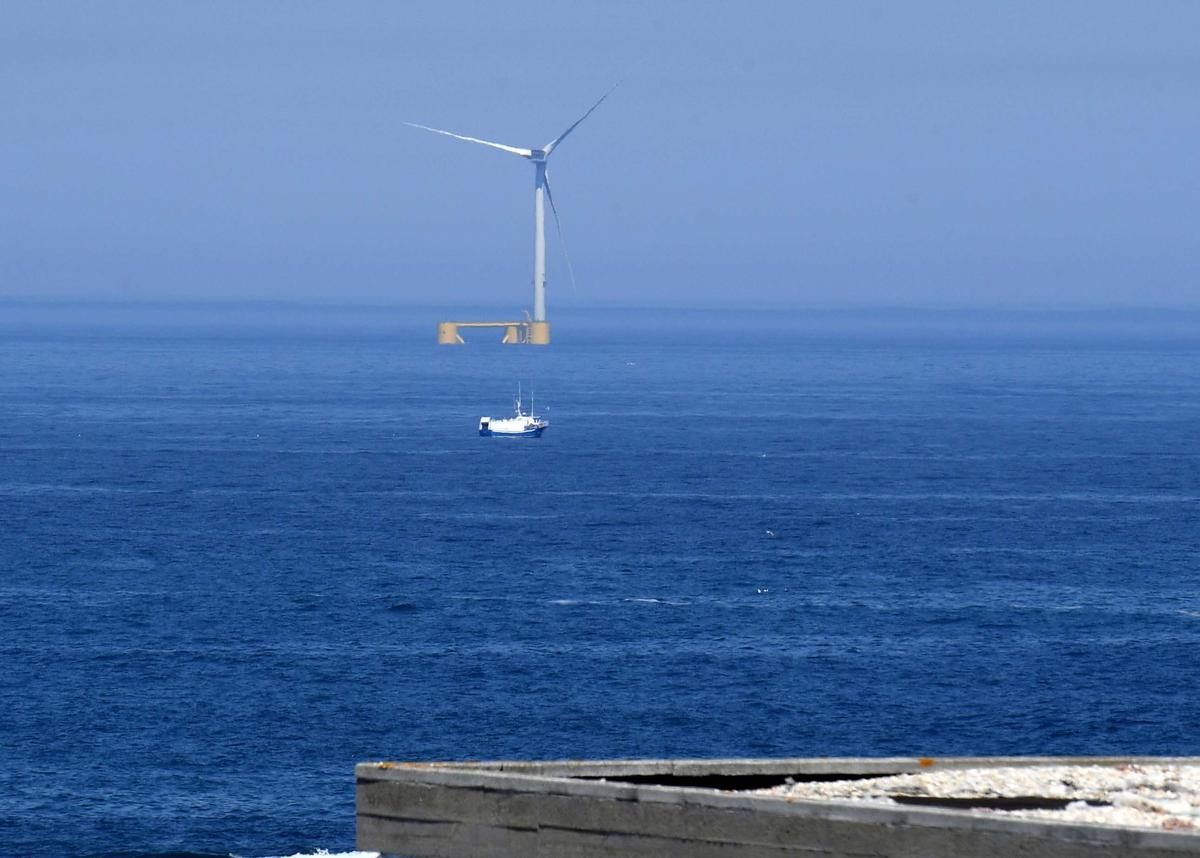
{"x": 798, "y": 154}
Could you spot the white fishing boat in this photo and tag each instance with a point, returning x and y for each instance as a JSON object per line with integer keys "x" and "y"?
{"x": 524, "y": 424}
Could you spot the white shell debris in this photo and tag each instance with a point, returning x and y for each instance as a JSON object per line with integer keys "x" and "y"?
{"x": 1136, "y": 796}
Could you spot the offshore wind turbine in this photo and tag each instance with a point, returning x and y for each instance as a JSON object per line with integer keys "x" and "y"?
{"x": 539, "y": 329}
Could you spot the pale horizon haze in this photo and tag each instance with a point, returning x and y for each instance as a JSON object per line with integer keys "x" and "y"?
{"x": 770, "y": 154}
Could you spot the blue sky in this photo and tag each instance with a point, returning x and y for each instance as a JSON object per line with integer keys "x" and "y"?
{"x": 781, "y": 154}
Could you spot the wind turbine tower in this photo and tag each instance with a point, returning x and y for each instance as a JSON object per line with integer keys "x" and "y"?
{"x": 536, "y": 330}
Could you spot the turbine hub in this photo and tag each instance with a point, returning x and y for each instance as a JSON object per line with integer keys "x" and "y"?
{"x": 537, "y": 155}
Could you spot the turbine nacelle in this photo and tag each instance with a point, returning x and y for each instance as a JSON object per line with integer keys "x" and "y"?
{"x": 538, "y": 156}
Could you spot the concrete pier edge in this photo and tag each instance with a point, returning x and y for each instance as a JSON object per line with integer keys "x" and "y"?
{"x": 583, "y": 808}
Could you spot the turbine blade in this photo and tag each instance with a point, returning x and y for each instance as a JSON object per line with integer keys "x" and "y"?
{"x": 549, "y": 147}
{"x": 524, "y": 153}
{"x": 562, "y": 242}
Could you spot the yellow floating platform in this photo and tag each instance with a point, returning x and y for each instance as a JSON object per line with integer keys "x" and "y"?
{"x": 533, "y": 333}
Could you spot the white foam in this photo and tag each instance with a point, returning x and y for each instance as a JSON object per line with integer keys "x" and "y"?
{"x": 1133, "y": 795}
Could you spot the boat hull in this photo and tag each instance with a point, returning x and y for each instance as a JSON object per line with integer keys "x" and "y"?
{"x": 525, "y": 433}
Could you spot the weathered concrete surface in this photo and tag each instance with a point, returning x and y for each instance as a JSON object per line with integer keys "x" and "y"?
{"x": 582, "y": 808}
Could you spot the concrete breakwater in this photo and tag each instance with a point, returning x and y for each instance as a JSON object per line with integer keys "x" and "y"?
{"x": 902, "y": 807}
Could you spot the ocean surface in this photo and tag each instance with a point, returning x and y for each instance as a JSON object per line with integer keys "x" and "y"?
{"x": 243, "y": 549}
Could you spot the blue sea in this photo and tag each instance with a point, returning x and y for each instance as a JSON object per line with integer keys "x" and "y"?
{"x": 244, "y": 547}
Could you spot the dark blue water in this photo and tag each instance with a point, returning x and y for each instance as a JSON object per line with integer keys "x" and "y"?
{"x": 238, "y": 559}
